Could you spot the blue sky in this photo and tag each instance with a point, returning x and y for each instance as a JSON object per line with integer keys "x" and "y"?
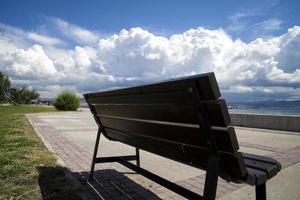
{"x": 162, "y": 17}
{"x": 252, "y": 46}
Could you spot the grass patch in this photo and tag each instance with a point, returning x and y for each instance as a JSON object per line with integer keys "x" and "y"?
{"x": 27, "y": 169}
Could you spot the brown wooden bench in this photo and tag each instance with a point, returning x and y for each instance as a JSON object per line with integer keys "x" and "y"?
{"x": 183, "y": 120}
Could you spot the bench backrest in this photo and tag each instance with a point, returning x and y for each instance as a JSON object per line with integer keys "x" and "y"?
{"x": 181, "y": 119}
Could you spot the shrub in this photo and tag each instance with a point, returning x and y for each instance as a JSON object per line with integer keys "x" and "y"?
{"x": 67, "y": 101}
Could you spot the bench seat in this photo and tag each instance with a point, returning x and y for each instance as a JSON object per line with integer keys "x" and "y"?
{"x": 260, "y": 168}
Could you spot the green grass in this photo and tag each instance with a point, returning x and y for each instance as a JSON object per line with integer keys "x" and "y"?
{"x": 26, "y": 166}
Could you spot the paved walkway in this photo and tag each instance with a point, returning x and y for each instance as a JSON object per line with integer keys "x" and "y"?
{"x": 71, "y": 135}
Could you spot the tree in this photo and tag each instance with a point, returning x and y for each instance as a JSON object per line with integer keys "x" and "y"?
{"x": 23, "y": 95}
{"x": 4, "y": 86}
{"x": 29, "y": 95}
{"x": 17, "y": 95}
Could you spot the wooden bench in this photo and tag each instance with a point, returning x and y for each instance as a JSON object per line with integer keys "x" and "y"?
{"x": 183, "y": 120}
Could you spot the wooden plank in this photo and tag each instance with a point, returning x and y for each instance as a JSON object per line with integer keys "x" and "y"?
{"x": 175, "y": 97}
{"x": 260, "y": 176}
{"x": 270, "y": 169}
{"x": 262, "y": 158}
{"x": 184, "y": 153}
{"x": 217, "y": 112}
{"x": 234, "y": 165}
{"x": 206, "y": 83}
{"x": 171, "y": 149}
{"x": 208, "y": 87}
{"x": 183, "y": 133}
{"x": 226, "y": 139}
{"x": 184, "y": 113}
{"x": 160, "y": 112}
{"x": 160, "y": 87}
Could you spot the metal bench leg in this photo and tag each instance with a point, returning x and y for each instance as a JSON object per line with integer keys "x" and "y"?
{"x": 260, "y": 192}
{"x": 211, "y": 179}
{"x": 95, "y": 154}
{"x": 137, "y": 153}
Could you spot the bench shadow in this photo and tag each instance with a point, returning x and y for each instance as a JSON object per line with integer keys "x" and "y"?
{"x": 60, "y": 183}
{"x": 114, "y": 185}
{"x": 57, "y": 183}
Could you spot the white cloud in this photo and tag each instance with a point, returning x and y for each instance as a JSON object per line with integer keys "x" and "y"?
{"x": 241, "y": 23}
{"x": 42, "y": 39}
{"x": 240, "y": 89}
{"x": 23, "y": 38}
{"x": 263, "y": 67}
{"x": 32, "y": 62}
{"x": 268, "y": 25}
{"x": 78, "y": 34}
{"x": 255, "y": 22}
{"x": 238, "y": 20}
{"x": 289, "y": 44}
{"x": 81, "y": 58}
{"x": 54, "y": 90}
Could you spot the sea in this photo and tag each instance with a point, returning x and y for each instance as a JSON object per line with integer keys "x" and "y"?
{"x": 287, "y": 108}
{"x": 266, "y": 111}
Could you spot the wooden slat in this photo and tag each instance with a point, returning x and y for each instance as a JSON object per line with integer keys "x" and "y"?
{"x": 259, "y": 176}
{"x": 208, "y": 87}
{"x": 226, "y": 139}
{"x": 187, "y": 154}
{"x": 175, "y": 97}
{"x": 183, "y": 133}
{"x": 184, "y": 113}
{"x": 262, "y": 158}
{"x": 270, "y": 166}
{"x": 171, "y": 149}
{"x": 232, "y": 162}
{"x": 270, "y": 169}
{"x": 217, "y": 112}
{"x": 161, "y": 87}
{"x": 163, "y": 131}
{"x": 235, "y": 165}
{"x": 161, "y": 112}
{"x": 206, "y": 84}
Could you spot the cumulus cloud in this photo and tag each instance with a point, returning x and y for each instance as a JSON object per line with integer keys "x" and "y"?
{"x": 140, "y": 54}
{"x": 32, "y": 62}
{"x": 263, "y": 68}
